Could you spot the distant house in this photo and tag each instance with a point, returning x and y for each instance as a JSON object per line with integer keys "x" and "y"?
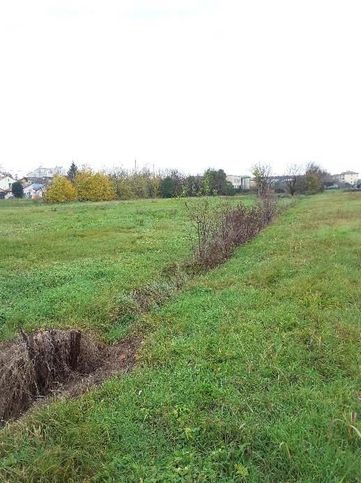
{"x": 239, "y": 182}
{"x": 347, "y": 177}
{"x": 6, "y": 182}
{"x": 34, "y": 191}
{"x": 44, "y": 173}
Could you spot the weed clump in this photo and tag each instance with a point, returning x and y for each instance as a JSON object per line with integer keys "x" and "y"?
{"x": 218, "y": 231}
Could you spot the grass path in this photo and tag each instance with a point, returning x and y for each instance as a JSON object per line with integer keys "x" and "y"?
{"x": 252, "y": 373}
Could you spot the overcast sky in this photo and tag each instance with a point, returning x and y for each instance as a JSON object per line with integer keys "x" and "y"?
{"x": 180, "y": 83}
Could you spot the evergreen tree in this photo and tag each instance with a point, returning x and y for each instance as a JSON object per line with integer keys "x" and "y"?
{"x": 168, "y": 187}
{"x": 72, "y": 172}
{"x": 17, "y": 189}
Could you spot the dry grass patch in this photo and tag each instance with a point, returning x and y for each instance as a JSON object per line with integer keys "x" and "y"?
{"x": 53, "y": 362}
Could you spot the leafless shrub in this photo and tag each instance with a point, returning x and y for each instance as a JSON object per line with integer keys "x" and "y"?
{"x": 262, "y": 177}
{"x": 219, "y": 230}
{"x": 293, "y": 179}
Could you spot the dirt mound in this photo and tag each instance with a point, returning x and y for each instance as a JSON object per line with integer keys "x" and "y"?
{"x": 55, "y": 361}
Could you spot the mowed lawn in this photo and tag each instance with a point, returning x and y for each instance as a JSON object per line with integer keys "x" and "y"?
{"x": 251, "y": 373}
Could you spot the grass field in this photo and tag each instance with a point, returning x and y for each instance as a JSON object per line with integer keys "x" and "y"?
{"x": 66, "y": 266}
{"x": 251, "y": 373}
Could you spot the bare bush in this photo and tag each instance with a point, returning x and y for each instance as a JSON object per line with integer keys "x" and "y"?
{"x": 218, "y": 231}
{"x": 262, "y": 177}
{"x": 293, "y": 179}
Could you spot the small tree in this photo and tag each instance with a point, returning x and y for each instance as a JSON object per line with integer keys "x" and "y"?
{"x": 262, "y": 175}
{"x": 17, "y": 189}
{"x": 293, "y": 179}
{"x": 60, "y": 191}
{"x": 72, "y": 172}
{"x": 315, "y": 177}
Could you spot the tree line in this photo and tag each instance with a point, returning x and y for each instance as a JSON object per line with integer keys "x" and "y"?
{"x": 297, "y": 179}
{"x": 87, "y": 185}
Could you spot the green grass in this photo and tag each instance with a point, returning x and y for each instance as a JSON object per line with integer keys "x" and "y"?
{"x": 67, "y": 265}
{"x": 70, "y": 265}
{"x": 251, "y": 373}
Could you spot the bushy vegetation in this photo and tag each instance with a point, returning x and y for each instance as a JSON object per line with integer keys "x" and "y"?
{"x": 251, "y": 373}
{"x": 220, "y": 230}
{"x": 133, "y": 185}
{"x": 86, "y": 185}
{"x": 61, "y": 190}
{"x": 170, "y": 184}
{"x": 93, "y": 186}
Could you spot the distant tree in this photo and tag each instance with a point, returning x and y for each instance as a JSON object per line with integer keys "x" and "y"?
{"x": 135, "y": 184}
{"x": 60, "y": 191}
{"x": 262, "y": 176}
{"x": 192, "y": 185}
{"x": 72, "y": 172}
{"x": 215, "y": 183}
{"x": 168, "y": 187}
{"x": 294, "y": 173}
{"x": 315, "y": 177}
{"x": 229, "y": 189}
{"x": 94, "y": 186}
{"x": 172, "y": 184}
{"x": 17, "y": 189}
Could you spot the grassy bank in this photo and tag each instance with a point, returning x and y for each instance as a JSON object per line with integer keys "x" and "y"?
{"x": 251, "y": 373}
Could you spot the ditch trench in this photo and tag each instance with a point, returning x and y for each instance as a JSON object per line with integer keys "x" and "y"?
{"x": 37, "y": 367}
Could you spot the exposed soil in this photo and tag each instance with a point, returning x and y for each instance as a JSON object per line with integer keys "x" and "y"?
{"x": 49, "y": 363}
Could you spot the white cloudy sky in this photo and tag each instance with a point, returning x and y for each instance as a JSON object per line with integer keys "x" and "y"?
{"x": 180, "y": 83}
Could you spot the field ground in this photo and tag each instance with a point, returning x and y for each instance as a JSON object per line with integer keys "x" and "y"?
{"x": 250, "y": 373}
{"x": 67, "y": 265}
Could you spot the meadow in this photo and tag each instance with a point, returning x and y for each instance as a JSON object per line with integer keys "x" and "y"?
{"x": 251, "y": 372}
{"x": 67, "y": 265}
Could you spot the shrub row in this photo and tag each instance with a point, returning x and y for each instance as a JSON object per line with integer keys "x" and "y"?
{"x": 86, "y": 186}
{"x": 219, "y": 231}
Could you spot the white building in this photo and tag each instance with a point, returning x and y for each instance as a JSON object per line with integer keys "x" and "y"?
{"x": 45, "y": 172}
{"x": 239, "y": 182}
{"x": 348, "y": 177}
{"x": 6, "y": 183}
